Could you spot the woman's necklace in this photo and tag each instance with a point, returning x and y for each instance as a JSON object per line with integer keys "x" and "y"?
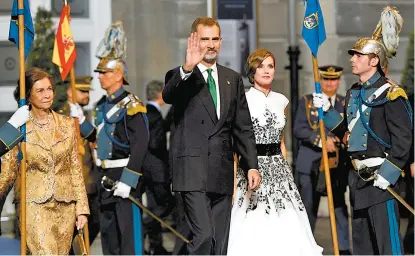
{"x": 39, "y": 124}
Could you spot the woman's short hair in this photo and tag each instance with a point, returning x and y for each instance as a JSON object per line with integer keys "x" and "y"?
{"x": 254, "y": 60}
{"x": 32, "y": 75}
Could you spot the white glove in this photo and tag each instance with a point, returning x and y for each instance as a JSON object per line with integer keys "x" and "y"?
{"x": 122, "y": 190}
{"x": 77, "y": 112}
{"x": 381, "y": 182}
{"x": 20, "y": 117}
{"x": 321, "y": 101}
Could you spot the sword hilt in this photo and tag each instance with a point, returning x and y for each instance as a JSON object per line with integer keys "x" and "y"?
{"x": 108, "y": 184}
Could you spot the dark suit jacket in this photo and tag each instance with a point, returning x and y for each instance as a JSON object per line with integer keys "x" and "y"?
{"x": 201, "y": 152}
{"x": 155, "y": 165}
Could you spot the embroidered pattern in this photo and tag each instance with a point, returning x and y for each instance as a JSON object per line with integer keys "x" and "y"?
{"x": 277, "y": 185}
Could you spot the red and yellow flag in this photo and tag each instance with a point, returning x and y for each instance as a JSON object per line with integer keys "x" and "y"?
{"x": 64, "y": 53}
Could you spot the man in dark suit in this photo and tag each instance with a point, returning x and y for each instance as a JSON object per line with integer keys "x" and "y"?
{"x": 310, "y": 177}
{"x": 155, "y": 169}
{"x": 211, "y": 122}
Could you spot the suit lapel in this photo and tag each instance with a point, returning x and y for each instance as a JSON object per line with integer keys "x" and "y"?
{"x": 205, "y": 96}
{"x": 225, "y": 93}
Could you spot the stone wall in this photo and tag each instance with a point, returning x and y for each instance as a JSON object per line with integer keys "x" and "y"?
{"x": 157, "y": 31}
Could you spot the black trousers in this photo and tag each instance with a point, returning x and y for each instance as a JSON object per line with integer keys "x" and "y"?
{"x": 161, "y": 202}
{"x": 119, "y": 234}
{"x": 181, "y": 226}
{"x": 376, "y": 230}
{"x": 208, "y": 217}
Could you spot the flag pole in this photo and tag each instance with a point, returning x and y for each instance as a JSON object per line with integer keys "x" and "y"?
{"x": 79, "y": 140}
{"x": 326, "y": 162}
{"x": 22, "y": 102}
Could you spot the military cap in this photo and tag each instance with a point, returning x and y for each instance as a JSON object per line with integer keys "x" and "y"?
{"x": 83, "y": 83}
{"x": 330, "y": 71}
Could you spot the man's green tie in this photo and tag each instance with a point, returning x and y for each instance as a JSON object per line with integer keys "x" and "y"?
{"x": 212, "y": 87}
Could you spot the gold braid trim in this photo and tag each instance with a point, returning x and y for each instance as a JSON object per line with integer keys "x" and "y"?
{"x": 135, "y": 106}
{"x": 395, "y": 91}
{"x": 308, "y": 113}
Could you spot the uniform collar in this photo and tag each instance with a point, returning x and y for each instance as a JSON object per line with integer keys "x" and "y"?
{"x": 371, "y": 80}
{"x": 116, "y": 94}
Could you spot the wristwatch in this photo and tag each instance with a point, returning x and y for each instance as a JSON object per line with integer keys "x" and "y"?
{"x": 186, "y": 71}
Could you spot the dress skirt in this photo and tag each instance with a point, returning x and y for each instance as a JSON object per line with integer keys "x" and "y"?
{"x": 49, "y": 227}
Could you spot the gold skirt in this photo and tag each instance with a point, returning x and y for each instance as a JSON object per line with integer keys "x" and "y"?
{"x": 49, "y": 227}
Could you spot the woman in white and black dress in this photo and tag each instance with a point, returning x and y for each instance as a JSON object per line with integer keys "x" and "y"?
{"x": 272, "y": 218}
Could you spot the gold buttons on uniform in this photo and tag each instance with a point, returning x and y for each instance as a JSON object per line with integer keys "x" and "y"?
{"x": 364, "y": 145}
{"x": 365, "y": 134}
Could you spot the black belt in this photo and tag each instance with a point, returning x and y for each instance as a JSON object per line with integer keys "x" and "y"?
{"x": 268, "y": 149}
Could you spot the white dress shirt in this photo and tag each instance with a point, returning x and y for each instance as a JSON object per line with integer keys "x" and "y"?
{"x": 203, "y": 69}
{"x": 155, "y": 104}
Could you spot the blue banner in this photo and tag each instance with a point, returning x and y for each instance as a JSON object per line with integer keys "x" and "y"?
{"x": 29, "y": 30}
{"x": 314, "y": 32}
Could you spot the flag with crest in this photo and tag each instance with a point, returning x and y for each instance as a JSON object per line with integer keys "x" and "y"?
{"x": 64, "y": 52}
{"x": 314, "y": 32}
{"x": 29, "y": 30}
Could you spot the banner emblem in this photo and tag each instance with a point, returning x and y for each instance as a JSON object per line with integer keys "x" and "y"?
{"x": 311, "y": 21}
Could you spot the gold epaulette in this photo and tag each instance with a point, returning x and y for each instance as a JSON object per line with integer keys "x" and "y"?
{"x": 135, "y": 106}
{"x": 65, "y": 109}
{"x": 395, "y": 91}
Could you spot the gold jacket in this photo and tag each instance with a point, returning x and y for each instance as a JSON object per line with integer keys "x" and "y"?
{"x": 52, "y": 172}
{"x": 85, "y": 150}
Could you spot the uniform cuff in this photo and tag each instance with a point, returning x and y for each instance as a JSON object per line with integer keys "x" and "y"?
{"x": 315, "y": 139}
{"x": 390, "y": 172}
{"x": 130, "y": 177}
{"x": 10, "y": 136}
{"x": 86, "y": 129}
{"x": 332, "y": 119}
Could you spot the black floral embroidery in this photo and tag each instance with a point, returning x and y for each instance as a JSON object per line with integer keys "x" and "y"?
{"x": 277, "y": 186}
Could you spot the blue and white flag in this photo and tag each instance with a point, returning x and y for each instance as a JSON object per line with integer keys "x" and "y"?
{"x": 314, "y": 32}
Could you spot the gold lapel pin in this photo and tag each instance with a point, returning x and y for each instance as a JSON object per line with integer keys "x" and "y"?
{"x": 228, "y": 82}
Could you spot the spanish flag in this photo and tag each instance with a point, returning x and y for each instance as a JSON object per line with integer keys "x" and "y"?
{"x": 64, "y": 53}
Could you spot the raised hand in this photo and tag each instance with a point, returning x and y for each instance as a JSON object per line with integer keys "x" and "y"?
{"x": 194, "y": 55}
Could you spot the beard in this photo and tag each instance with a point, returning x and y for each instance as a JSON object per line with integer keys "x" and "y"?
{"x": 209, "y": 58}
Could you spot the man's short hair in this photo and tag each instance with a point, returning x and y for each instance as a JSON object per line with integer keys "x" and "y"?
{"x": 153, "y": 89}
{"x": 204, "y": 21}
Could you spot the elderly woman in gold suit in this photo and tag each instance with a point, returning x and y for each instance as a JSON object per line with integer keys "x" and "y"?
{"x": 56, "y": 197}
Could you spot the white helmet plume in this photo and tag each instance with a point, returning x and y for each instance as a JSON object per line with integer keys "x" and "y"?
{"x": 114, "y": 44}
{"x": 388, "y": 29}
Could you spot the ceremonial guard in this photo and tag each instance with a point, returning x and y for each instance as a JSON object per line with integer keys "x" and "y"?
{"x": 83, "y": 87}
{"x": 121, "y": 137}
{"x": 377, "y": 131}
{"x": 309, "y": 168}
